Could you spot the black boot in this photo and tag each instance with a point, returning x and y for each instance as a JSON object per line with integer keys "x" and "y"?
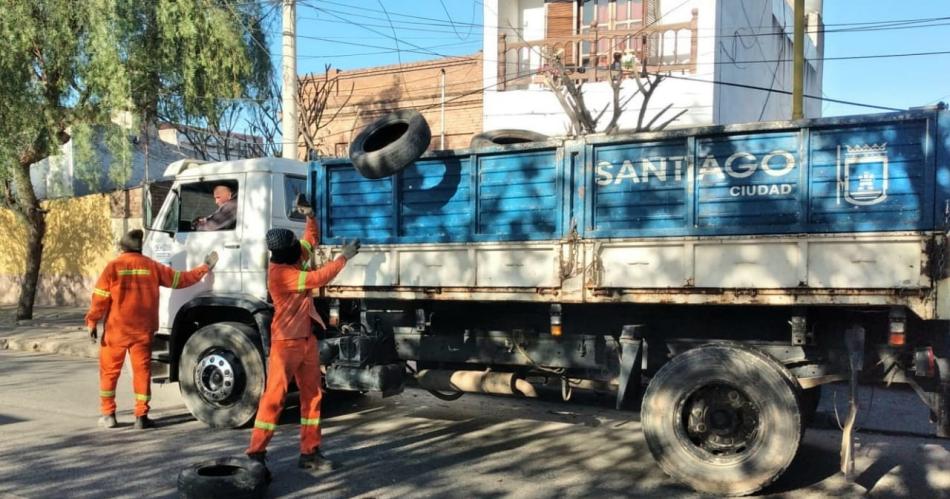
{"x": 316, "y": 461}
{"x": 261, "y": 457}
{"x": 143, "y": 422}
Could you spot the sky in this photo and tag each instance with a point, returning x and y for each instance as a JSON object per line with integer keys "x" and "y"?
{"x": 894, "y": 82}
{"x": 351, "y": 34}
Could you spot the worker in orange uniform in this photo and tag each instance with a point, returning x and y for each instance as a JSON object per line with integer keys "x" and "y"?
{"x": 293, "y": 349}
{"x": 126, "y": 297}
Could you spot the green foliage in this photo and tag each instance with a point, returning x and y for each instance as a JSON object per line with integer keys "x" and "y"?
{"x": 92, "y": 162}
{"x": 120, "y": 166}
{"x": 86, "y": 166}
{"x": 70, "y": 66}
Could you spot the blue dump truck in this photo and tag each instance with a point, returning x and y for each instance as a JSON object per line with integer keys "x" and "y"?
{"x": 711, "y": 278}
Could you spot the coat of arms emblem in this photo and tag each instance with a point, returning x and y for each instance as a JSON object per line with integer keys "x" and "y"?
{"x": 862, "y": 176}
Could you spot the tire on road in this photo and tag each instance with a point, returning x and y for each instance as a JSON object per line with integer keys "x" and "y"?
{"x": 723, "y": 419}
{"x": 221, "y": 374}
{"x": 505, "y": 137}
{"x": 223, "y": 478}
{"x": 390, "y": 144}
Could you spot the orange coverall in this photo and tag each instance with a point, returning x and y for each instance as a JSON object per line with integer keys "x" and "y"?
{"x": 126, "y": 295}
{"x": 293, "y": 351}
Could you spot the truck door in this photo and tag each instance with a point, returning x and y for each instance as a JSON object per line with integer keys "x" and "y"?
{"x": 186, "y": 243}
{"x": 283, "y": 191}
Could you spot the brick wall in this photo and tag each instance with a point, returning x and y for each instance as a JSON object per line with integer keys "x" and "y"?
{"x": 380, "y": 90}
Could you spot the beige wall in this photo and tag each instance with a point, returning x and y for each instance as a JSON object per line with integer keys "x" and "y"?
{"x": 80, "y": 239}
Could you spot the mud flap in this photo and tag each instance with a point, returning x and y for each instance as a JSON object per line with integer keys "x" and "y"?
{"x": 854, "y": 341}
{"x": 943, "y": 398}
{"x": 631, "y": 358}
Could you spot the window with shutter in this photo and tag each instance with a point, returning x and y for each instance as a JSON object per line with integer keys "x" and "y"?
{"x": 610, "y": 15}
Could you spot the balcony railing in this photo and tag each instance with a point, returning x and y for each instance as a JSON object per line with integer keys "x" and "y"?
{"x": 589, "y": 56}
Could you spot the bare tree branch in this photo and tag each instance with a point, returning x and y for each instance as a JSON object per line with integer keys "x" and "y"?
{"x": 674, "y": 118}
{"x": 313, "y": 96}
{"x": 657, "y": 116}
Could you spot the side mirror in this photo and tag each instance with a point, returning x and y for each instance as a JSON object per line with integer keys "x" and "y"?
{"x": 147, "y": 213}
{"x": 168, "y": 225}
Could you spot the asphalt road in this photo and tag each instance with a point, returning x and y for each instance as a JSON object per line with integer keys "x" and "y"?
{"x": 412, "y": 445}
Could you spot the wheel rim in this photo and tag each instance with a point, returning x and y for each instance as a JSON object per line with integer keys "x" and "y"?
{"x": 719, "y": 422}
{"x": 219, "y": 376}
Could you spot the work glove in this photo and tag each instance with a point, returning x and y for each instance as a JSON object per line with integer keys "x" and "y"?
{"x": 303, "y": 207}
{"x": 350, "y": 249}
{"x": 94, "y": 335}
{"x": 211, "y": 260}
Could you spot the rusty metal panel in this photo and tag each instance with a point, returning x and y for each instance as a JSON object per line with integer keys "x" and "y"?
{"x": 865, "y": 264}
{"x": 370, "y": 268}
{"x": 433, "y": 267}
{"x": 643, "y": 266}
{"x": 756, "y": 264}
{"x": 528, "y": 267}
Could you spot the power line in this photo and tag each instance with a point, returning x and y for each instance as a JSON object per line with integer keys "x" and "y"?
{"x": 380, "y": 52}
{"x": 427, "y": 51}
{"x": 753, "y": 33}
{"x": 364, "y": 26}
{"x": 785, "y": 92}
{"x": 449, "y": 17}
{"x": 440, "y": 22}
{"x": 854, "y": 26}
{"x": 841, "y": 58}
{"x": 436, "y": 64}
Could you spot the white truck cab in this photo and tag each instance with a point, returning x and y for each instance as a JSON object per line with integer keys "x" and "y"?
{"x": 265, "y": 190}
{"x": 212, "y": 336}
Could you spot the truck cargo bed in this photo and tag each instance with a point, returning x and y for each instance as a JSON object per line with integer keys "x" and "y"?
{"x": 831, "y": 211}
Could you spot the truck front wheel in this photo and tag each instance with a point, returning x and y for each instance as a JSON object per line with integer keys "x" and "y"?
{"x": 221, "y": 374}
{"x": 722, "y": 419}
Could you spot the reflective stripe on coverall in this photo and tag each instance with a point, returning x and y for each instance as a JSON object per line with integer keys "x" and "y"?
{"x": 293, "y": 352}
{"x": 126, "y": 295}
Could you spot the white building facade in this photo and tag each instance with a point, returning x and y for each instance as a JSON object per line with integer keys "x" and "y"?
{"x": 727, "y": 61}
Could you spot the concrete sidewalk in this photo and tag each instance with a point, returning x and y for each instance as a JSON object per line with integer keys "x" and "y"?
{"x": 57, "y": 330}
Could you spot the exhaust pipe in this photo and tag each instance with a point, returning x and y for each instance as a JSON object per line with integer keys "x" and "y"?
{"x": 475, "y": 382}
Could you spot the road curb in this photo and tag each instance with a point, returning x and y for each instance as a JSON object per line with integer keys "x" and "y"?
{"x": 70, "y": 347}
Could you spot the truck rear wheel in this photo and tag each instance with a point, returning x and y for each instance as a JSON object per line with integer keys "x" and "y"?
{"x": 221, "y": 374}
{"x": 722, "y": 419}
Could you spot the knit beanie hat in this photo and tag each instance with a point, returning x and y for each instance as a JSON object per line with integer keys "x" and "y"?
{"x": 283, "y": 245}
{"x": 131, "y": 241}
{"x": 278, "y": 239}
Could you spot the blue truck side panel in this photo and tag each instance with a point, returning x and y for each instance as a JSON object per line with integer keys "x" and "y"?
{"x": 876, "y": 173}
{"x": 518, "y": 197}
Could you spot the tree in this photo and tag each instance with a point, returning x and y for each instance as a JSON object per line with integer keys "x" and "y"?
{"x": 315, "y": 112}
{"x": 568, "y": 88}
{"x": 312, "y": 97}
{"x": 68, "y": 64}
{"x": 264, "y": 122}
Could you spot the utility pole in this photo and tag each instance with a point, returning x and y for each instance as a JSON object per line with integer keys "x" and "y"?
{"x": 289, "y": 89}
{"x": 798, "y": 61}
{"x": 442, "y": 113}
